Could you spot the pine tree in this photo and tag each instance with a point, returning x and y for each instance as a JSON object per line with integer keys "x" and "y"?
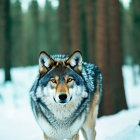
{"x": 33, "y": 32}
{"x": 109, "y": 57}
{"x": 75, "y": 25}
{"x": 83, "y": 31}
{"x": 135, "y": 14}
{"x": 116, "y": 55}
{"x": 51, "y": 28}
{"x": 103, "y": 57}
{"x": 64, "y": 11}
{"x": 90, "y": 29}
{"x": 127, "y": 35}
{"x": 17, "y": 30}
{"x": 47, "y": 23}
{"x": 6, "y": 30}
{"x": 1, "y": 36}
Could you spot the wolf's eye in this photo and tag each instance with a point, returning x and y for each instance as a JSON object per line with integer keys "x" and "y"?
{"x": 53, "y": 80}
{"x": 69, "y": 79}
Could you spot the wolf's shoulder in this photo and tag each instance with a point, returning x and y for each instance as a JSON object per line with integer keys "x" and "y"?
{"x": 90, "y": 70}
{"x": 92, "y": 75}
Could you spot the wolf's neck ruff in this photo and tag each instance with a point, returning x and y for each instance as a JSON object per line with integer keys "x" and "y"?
{"x": 49, "y": 112}
{"x": 61, "y": 123}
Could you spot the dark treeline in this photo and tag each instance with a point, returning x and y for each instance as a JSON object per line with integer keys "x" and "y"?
{"x": 31, "y": 31}
{"x": 71, "y": 25}
{"x": 107, "y": 33}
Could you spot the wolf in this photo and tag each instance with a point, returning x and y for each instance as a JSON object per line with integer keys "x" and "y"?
{"x": 65, "y": 96}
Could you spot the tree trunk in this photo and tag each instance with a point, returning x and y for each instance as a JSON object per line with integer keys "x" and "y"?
{"x": 6, "y": 23}
{"x": 75, "y": 24}
{"x": 103, "y": 57}
{"x": 116, "y": 56}
{"x": 34, "y": 32}
{"x": 135, "y": 14}
{"x": 90, "y": 30}
{"x": 64, "y": 23}
{"x": 1, "y": 36}
{"x": 83, "y": 30}
{"x": 17, "y": 29}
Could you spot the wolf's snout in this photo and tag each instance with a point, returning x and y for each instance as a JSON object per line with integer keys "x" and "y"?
{"x": 63, "y": 97}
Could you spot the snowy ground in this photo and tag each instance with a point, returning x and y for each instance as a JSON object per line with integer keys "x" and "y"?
{"x": 17, "y": 121}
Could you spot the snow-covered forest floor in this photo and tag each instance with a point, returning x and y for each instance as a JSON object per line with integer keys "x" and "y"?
{"x": 17, "y": 121}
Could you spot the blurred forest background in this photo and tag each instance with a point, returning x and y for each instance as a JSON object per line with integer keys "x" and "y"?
{"x": 106, "y": 32}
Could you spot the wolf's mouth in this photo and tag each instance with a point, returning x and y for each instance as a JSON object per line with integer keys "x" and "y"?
{"x": 54, "y": 99}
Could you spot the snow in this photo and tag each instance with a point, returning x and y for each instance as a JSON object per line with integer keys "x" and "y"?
{"x": 18, "y": 124}
{"x": 17, "y": 121}
{"x": 130, "y": 133}
{"x": 132, "y": 91}
{"x": 111, "y": 127}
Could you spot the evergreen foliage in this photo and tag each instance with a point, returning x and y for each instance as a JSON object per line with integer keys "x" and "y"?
{"x": 33, "y": 32}
{"x": 49, "y": 29}
{"x": 17, "y": 35}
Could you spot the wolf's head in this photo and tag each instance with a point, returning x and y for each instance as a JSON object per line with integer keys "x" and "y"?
{"x": 61, "y": 79}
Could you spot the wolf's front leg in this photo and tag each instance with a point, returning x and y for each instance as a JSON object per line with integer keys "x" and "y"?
{"x": 76, "y": 137}
{"x": 89, "y": 134}
{"x": 89, "y": 126}
{"x": 46, "y": 138}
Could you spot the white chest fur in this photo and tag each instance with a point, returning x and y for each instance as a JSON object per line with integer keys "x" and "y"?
{"x": 61, "y": 113}
{"x": 61, "y": 133}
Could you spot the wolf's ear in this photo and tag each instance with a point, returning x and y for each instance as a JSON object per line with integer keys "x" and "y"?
{"x": 45, "y": 62}
{"x": 75, "y": 61}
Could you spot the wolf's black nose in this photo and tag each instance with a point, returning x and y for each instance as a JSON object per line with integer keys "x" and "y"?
{"x": 63, "y": 97}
